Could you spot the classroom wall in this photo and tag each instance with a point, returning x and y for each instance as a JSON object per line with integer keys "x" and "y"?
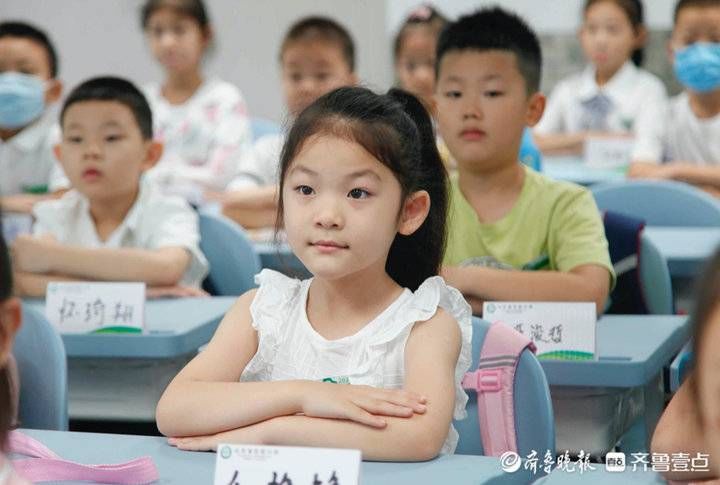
{"x": 104, "y": 37}
{"x": 548, "y": 16}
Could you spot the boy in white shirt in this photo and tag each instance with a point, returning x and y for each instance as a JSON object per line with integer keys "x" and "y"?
{"x": 316, "y": 56}
{"x": 692, "y": 141}
{"x": 112, "y": 226}
{"x": 28, "y": 87}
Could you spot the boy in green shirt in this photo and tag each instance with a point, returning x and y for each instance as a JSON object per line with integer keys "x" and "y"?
{"x": 504, "y": 216}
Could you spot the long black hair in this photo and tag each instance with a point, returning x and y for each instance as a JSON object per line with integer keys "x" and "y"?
{"x": 396, "y": 129}
{"x": 6, "y": 404}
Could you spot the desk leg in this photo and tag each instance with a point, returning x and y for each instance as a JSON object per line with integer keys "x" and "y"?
{"x": 638, "y": 437}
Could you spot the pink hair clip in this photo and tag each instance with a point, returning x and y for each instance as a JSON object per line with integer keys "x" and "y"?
{"x": 421, "y": 12}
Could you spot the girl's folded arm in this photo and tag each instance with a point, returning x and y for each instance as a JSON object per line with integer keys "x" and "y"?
{"x": 431, "y": 354}
{"x": 206, "y": 396}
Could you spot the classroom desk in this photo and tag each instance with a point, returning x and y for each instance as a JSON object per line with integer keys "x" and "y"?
{"x": 573, "y": 169}
{"x": 627, "y": 377}
{"x": 121, "y": 376}
{"x": 181, "y": 467}
{"x": 686, "y": 249}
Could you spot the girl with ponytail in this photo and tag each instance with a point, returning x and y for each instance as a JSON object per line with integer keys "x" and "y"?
{"x": 369, "y": 353}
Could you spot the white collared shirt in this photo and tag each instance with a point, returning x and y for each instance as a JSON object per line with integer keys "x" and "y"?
{"x": 27, "y": 160}
{"x": 639, "y": 106}
{"x": 204, "y": 138}
{"x": 155, "y": 221}
{"x": 689, "y": 138}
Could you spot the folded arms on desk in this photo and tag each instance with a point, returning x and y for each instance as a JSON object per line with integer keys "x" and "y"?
{"x": 206, "y": 405}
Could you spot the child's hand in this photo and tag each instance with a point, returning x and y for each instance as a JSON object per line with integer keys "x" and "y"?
{"x": 362, "y": 404}
{"x": 33, "y": 254}
{"x": 249, "y": 435}
{"x": 177, "y": 291}
{"x": 22, "y": 203}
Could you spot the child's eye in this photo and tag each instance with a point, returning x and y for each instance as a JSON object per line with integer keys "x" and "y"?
{"x": 453, "y": 94}
{"x": 304, "y": 189}
{"x": 113, "y": 138}
{"x": 73, "y": 139}
{"x": 323, "y": 76}
{"x": 493, "y": 94}
{"x": 359, "y": 194}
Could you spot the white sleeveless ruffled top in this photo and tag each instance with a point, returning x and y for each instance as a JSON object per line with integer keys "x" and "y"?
{"x": 289, "y": 347}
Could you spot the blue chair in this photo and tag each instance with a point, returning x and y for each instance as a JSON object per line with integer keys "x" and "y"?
{"x": 261, "y": 127}
{"x": 42, "y": 365}
{"x": 659, "y": 202}
{"x": 232, "y": 257}
{"x": 655, "y": 279}
{"x": 680, "y": 366}
{"x": 534, "y": 423}
{"x": 530, "y": 154}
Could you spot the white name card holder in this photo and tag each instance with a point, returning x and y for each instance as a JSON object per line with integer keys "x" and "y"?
{"x": 285, "y": 465}
{"x": 81, "y": 307}
{"x": 608, "y": 152}
{"x": 560, "y": 330}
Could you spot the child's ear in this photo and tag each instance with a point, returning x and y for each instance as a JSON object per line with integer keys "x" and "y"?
{"x": 10, "y": 320}
{"x": 153, "y": 153}
{"x": 53, "y": 91}
{"x": 57, "y": 151}
{"x": 535, "y": 109}
{"x": 641, "y": 35}
{"x": 414, "y": 211}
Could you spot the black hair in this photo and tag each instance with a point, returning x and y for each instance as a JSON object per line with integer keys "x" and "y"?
{"x": 396, "y": 129}
{"x": 693, "y": 3}
{"x": 195, "y": 9}
{"x": 424, "y": 15}
{"x": 27, "y": 31}
{"x": 109, "y": 88}
{"x": 633, "y": 10}
{"x": 324, "y": 29}
{"x": 6, "y": 398}
{"x": 495, "y": 29}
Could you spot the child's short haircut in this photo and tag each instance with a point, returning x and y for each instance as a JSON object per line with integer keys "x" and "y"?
{"x": 325, "y": 30}
{"x": 110, "y": 88}
{"x": 693, "y": 3}
{"x": 27, "y": 31}
{"x": 495, "y": 29}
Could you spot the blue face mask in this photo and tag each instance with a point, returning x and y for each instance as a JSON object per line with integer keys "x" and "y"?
{"x": 22, "y": 99}
{"x": 697, "y": 66}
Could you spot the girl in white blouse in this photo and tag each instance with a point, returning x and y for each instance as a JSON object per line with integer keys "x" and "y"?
{"x": 370, "y": 352}
{"x": 613, "y": 96}
{"x": 202, "y": 122}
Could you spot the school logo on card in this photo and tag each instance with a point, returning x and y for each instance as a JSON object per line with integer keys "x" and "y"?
{"x": 225, "y": 452}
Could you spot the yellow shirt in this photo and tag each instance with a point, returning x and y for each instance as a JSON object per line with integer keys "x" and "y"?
{"x": 553, "y": 226}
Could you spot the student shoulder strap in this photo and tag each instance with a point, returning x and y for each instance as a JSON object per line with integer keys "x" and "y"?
{"x": 494, "y": 381}
{"x": 43, "y": 465}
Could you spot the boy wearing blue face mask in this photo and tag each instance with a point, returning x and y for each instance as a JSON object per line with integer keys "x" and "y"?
{"x": 28, "y": 85}
{"x": 692, "y": 141}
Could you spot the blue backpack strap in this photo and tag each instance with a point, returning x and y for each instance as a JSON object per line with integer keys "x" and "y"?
{"x": 494, "y": 382}
{"x": 623, "y": 234}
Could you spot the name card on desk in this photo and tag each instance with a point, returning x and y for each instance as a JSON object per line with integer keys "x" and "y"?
{"x": 607, "y": 152}
{"x": 285, "y": 465}
{"x": 559, "y": 330}
{"x": 96, "y": 307}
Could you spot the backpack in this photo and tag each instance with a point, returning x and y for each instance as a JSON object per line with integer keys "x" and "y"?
{"x": 493, "y": 381}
